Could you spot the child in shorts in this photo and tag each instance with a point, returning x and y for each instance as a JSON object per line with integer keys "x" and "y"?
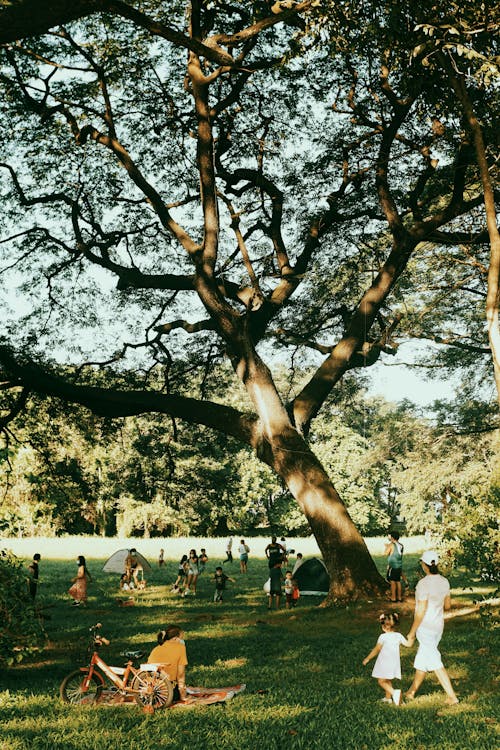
{"x": 181, "y": 574}
{"x": 388, "y": 664}
{"x": 220, "y": 579}
{"x": 291, "y": 590}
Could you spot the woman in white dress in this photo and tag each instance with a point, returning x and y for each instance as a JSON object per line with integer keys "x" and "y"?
{"x": 432, "y": 597}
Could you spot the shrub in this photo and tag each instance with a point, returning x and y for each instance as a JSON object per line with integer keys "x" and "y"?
{"x": 22, "y": 631}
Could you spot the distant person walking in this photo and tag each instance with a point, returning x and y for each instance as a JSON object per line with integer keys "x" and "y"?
{"x": 388, "y": 665}
{"x": 161, "y": 558}
{"x": 394, "y": 551}
{"x": 243, "y": 551}
{"x": 229, "y": 551}
{"x": 33, "y": 569}
{"x": 432, "y": 597}
{"x": 79, "y": 588}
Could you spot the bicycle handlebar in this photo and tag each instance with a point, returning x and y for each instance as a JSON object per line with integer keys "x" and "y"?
{"x": 99, "y": 640}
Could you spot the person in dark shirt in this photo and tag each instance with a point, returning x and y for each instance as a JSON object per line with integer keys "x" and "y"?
{"x": 220, "y": 579}
{"x": 274, "y": 553}
{"x": 33, "y": 568}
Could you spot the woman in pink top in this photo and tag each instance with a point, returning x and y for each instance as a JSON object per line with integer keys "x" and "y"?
{"x": 432, "y": 597}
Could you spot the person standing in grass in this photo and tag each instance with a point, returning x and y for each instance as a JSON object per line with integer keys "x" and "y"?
{"x": 432, "y": 597}
{"x": 394, "y": 552}
{"x": 193, "y": 573}
{"x": 79, "y": 588}
{"x": 276, "y": 578}
{"x": 275, "y": 552}
{"x": 170, "y": 653}
{"x": 243, "y": 551}
{"x": 229, "y": 551}
{"x": 220, "y": 579}
{"x": 33, "y": 569}
{"x": 203, "y": 559}
{"x": 289, "y": 586}
{"x": 388, "y": 665}
{"x": 161, "y": 558}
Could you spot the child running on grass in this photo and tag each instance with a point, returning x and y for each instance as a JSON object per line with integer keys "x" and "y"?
{"x": 388, "y": 664}
{"x": 181, "y": 574}
{"x": 220, "y": 579}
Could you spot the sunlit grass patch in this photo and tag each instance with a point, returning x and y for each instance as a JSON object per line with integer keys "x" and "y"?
{"x": 231, "y": 663}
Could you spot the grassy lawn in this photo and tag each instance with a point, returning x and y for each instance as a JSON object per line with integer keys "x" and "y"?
{"x": 306, "y": 687}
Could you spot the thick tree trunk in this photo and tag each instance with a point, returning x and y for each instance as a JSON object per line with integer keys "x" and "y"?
{"x": 352, "y": 571}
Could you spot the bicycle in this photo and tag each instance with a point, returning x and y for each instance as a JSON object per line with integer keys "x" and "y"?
{"x": 147, "y": 684}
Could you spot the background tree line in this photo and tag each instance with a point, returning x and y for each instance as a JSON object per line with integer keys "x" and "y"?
{"x": 69, "y": 472}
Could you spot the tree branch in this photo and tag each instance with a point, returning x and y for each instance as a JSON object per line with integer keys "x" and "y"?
{"x": 113, "y": 402}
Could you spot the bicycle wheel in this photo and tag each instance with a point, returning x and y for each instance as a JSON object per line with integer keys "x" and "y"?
{"x": 153, "y": 689}
{"x": 71, "y": 690}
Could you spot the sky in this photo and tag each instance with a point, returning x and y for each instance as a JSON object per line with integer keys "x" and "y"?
{"x": 395, "y": 381}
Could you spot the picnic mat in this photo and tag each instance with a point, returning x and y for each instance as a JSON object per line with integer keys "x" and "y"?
{"x": 196, "y": 696}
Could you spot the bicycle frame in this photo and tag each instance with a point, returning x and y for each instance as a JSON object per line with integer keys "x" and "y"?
{"x": 146, "y": 683}
{"x": 112, "y": 673}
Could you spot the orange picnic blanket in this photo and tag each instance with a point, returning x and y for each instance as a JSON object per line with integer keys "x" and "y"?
{"x": 196, "y": 696}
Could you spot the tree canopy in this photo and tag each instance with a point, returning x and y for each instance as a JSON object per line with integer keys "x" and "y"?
{"x": 184, "y": 183}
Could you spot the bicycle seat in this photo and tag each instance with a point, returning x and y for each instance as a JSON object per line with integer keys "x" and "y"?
{"x": 132, "y": 654}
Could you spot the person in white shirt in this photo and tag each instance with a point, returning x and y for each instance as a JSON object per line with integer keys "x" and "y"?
{"x": 298, "y": 563}
{"x": 243, "y": 551}
{"x": 229, "y": 551}
{"x": 432, "y": 597}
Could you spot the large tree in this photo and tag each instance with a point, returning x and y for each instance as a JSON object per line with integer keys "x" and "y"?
{"x": 255, "y": 179}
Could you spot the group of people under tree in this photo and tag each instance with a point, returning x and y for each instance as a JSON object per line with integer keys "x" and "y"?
{"x": 277, "y": 555}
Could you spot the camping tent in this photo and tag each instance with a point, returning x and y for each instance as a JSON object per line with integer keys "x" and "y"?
{"x": 312, "y": 578}
{"x": 116, "y": 563}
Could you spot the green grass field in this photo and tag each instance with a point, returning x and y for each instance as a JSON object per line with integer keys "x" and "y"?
{"x": 306, "y": 687}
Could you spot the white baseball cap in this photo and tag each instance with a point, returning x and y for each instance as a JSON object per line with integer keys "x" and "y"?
{"x": 430, "y": 557}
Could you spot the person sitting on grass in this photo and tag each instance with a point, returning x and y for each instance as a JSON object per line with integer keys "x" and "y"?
{"x": 220, "y": 579}
{"x": 388, "y": 664}
{"x": 170, "y": 654}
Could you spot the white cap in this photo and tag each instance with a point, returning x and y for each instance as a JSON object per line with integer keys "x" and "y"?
{"x": 430, "y": 557}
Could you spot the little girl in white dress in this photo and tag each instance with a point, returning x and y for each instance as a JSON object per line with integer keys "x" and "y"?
{"x": 388, "y": 664}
